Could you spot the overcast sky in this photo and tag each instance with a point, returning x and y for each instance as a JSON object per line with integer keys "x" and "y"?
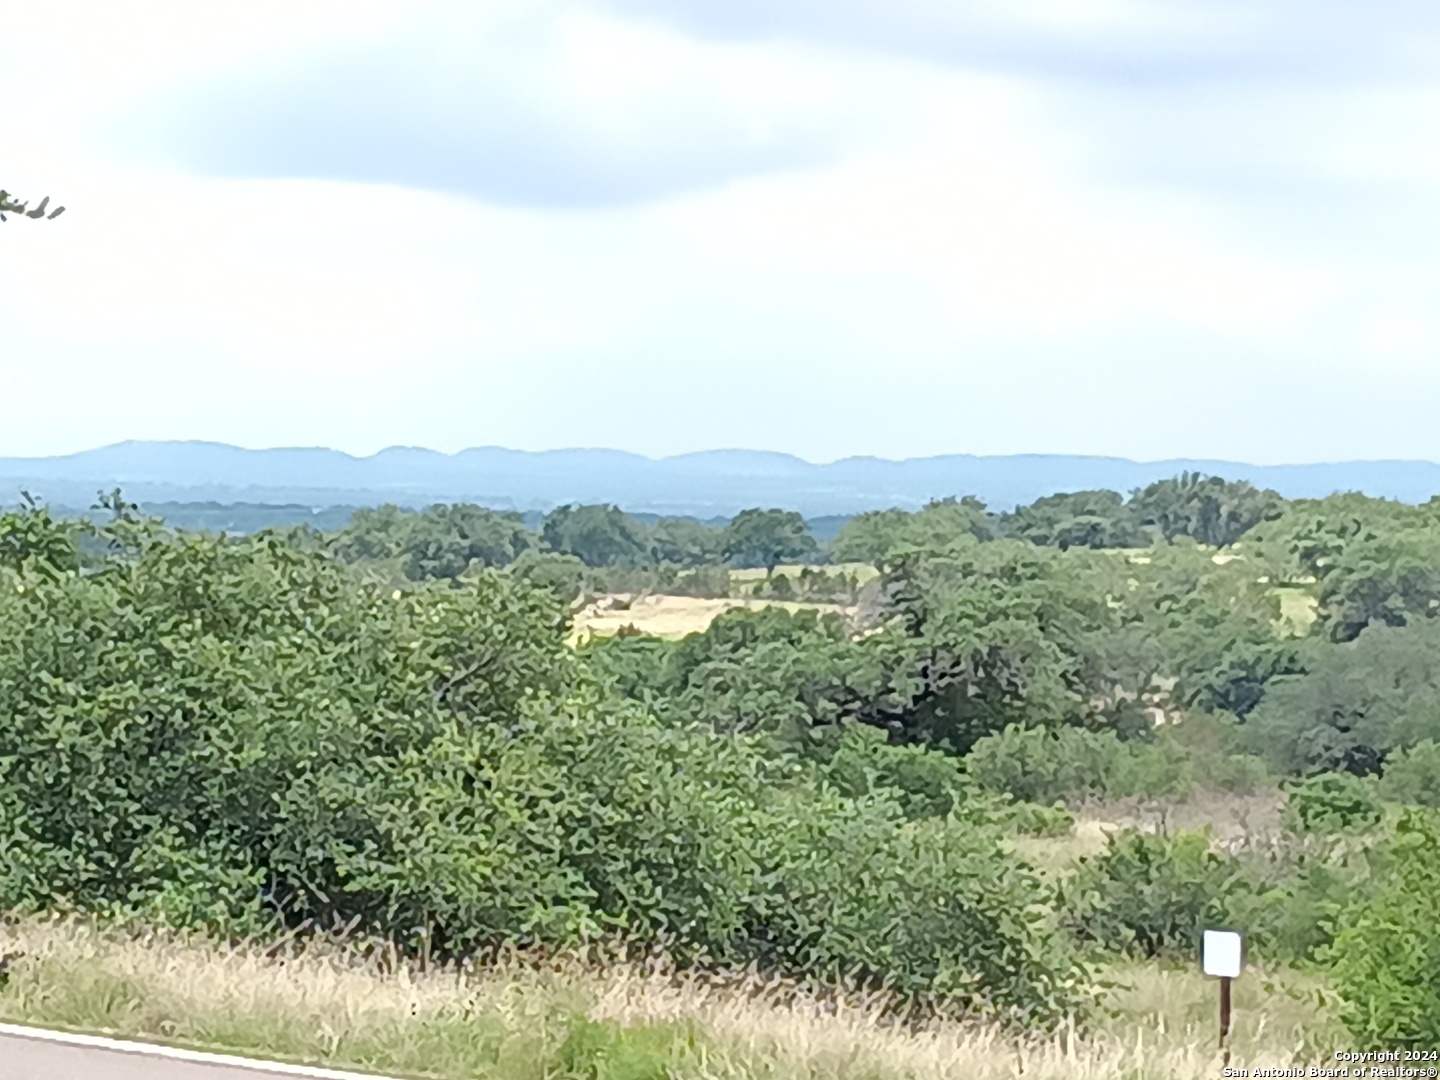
{"x": 828, "y": 227}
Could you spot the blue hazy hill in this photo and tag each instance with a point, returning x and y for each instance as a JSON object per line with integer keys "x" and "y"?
{"x": 705, "y": 484}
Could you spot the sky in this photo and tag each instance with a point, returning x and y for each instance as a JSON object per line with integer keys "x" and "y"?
{"x": 1144, "y": 228}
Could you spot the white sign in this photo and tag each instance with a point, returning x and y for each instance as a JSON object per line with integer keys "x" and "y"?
{"x": 1221, "y": 953}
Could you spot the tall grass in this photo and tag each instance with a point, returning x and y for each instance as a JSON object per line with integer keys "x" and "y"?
{"x": 585, "y": 1018}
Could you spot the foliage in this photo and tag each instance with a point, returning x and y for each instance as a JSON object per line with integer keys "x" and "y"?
{"x": 446, "y": 541}
{"x": 683, "y": 542}
{"x": 1087, "y": 519}
{"x": 1332, "y": 803}
{"x": 878, "y": 536}
{"x": 1148, "y": 894}
{"x": 858, "y": 760}
{"x": 1210, "y": 628}
{"x": 1385, "y": 960}
{"x": 34, "y": 539}
{"x": 10, "y": 205}
{"x": 869, "y": 537}
{"x": 234, "y": 734}
{"x": 1072, "y": 765}
{"x": 1412, "y": 775}
{"x": 596, "y": 535}
{"x": 767, "y": 538}
{"x": 1208, "y": 509}
{"x": 374, "y": 533}
{"x": 1393, "y": 579}
{"x": 1359, "y": 702}
{"x": 1304, "y": 542}
{"x": 563, "y": 575}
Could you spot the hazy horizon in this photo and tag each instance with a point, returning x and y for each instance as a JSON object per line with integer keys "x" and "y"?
{"x": 713, "y": 450}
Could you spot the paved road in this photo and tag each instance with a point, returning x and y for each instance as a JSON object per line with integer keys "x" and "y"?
{"x": 37, "y": 1055}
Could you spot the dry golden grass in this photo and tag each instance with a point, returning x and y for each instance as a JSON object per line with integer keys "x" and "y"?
{"x": 1297, "y": 610}
{"x": 574, "y": 1017}
{"x": 671, "y": 616}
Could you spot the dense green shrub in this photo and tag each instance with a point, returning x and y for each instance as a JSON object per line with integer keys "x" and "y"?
{"x": 930, "y": 906}
{"x": 1332, "y": 803}
{"x": 1153, "y": 894}
{"x": 1148, "y": 894}
{"x": 241, "y": 701}
{"x": 1071, "y": 765}
{"x": 1031, "y": 819}
{"x": 1285, "y": 898}
{"x": 857, "y": 760}
{"x": 1359, "y": 702}
{"x": 1386, "y": 959}
{"x": 1412, "y": 775}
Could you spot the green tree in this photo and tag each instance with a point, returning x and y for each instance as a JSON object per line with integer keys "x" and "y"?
{"x": 1357, "y": 703}
{"x": 879, "y": 537}
{"x": 597, "y": 535}
{"x": 684, "y": 542}
{"x": 1210, "y": 627}
{"x": 564, "y": 576}
{"x": 1385, "y": 960}
{"x": 375, "y": 533}
{"x": 1311, "y": 534}
{"x": 870, "y": 537}
{"x": 767, "y": 538}
{"x": 33, "y": 537}
{"x": 1091, "y": 519}
{"x": 1332, "y": 803}
{"x": 446, "y": 540}
{"x": 1208, "y": 509}
{"x": 1393, "y": 579}
{"x": 1412, "y": 775}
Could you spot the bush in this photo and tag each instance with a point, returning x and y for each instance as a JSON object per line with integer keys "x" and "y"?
{"x": 1028, "y": 819}
{"x": 1386, "y": 960}
{"x": 933, "y": 908}
{"x": 1285, "y": 899}
{"x": 1148, "y": 895}
{"x": 857, "y": 760}
{"x": 1332, "y": 803}
{"x": 1412, "y": 776}
{"x": 1239, "y": 774}
{"x": 1070, "y": 765}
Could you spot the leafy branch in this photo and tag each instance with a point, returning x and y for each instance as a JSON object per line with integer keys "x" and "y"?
{"x": 9, "y": 206}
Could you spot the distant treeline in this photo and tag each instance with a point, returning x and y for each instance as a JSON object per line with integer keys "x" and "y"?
{"x": 445, "y": 539}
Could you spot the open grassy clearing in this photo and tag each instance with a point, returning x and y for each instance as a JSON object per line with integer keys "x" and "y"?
{"x": 1297, "y": 609}
{"x": 1229, "y": 817}
{"x": 579, "y": 1018}
{"x": 671, "y": 616}
{"x": 864, "y": 571}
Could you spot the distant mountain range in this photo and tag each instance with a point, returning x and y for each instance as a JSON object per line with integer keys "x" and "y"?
{"x": 705, "y": 485}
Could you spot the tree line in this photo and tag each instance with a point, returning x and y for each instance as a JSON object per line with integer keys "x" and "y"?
{"x": 445, "y": 540}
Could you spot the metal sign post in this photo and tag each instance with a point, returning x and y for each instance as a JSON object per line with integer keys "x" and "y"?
{"x": 1222, "y": 956}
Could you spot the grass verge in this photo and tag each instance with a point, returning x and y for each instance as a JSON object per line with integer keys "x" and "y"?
{"x": 574, "y": 1018}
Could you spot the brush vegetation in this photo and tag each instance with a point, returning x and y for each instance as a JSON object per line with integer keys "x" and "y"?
{"x": 1011, "y": 771}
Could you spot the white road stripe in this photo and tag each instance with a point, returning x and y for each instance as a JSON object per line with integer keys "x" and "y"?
{"x": 195, "y": 1057}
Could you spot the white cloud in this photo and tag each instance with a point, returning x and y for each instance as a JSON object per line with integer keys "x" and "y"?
{"x": 985, "y": 262}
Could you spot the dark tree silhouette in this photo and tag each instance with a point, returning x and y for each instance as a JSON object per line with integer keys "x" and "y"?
{"x": 8, "y": 205}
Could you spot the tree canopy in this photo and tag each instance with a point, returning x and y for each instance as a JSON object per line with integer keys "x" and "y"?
{"x": 767, "y": 538}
